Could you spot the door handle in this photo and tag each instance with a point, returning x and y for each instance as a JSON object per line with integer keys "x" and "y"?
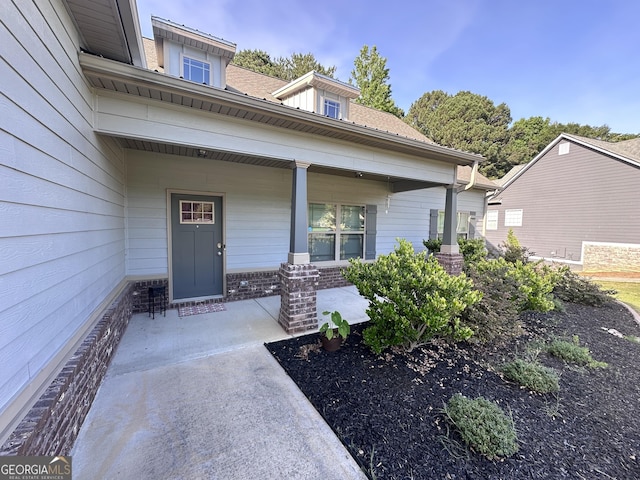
{"x": 219, "y": 254}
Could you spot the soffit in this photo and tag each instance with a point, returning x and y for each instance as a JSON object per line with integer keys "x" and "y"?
{"x": 109, "y": 28}
{"x": 396, "y": 184}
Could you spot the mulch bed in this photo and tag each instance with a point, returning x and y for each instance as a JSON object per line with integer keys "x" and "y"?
{"x": 387, "y": 409}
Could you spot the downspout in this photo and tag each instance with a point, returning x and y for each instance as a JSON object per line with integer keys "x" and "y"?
{"x": 472, "y": 180}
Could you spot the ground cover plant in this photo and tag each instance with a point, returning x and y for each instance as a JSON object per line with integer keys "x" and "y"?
{"x": 396, "y": 405}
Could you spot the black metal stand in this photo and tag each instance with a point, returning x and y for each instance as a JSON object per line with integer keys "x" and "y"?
{"x": 159, "y": 291}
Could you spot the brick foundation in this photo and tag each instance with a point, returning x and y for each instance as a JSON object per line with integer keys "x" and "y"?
{"x": 451, "y": 262}
{"x": 52, "y": 425}
{"x": 298, "y": 305}
{"x": 243, "y": 286}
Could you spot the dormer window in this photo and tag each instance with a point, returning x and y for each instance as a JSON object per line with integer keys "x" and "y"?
{"x": 196, "y": 70}
{"x": 320, "y": 94}
{"x": 331, "y": 108}
{"x": 190, "y": 54}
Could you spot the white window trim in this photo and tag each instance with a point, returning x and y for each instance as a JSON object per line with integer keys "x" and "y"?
{"x": 338, "y": 232}
{"x": 492, "y": 223}
{"x": 191, "y": 57}
{"x": 459, "y": 233}
{"x": 513, "y": 217}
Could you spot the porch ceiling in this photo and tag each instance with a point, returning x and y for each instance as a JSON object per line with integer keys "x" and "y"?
{"x": 396, "y": 184}
{"x": 139, "y": 82}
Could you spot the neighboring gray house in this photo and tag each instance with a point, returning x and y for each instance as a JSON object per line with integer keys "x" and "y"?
{"x": 118, "y": 174}
{"x": 575, "y": 203}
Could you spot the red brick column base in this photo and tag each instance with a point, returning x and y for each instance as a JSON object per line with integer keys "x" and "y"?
{"x": 451, "y": 262}
{"x": 298, "y": 306}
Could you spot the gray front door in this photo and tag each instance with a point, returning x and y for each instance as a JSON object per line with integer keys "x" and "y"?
{"x": 196, "y": 245}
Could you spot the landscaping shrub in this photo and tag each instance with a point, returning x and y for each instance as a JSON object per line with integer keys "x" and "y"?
{"x": 494, "y": 319}
{"x": 483, "y": 426}
{"x": 512, "y": 251}
{"x": 411, "y": 298}
{"x": 572, "y": 352}
{"x": 532, "y": 375}
{"x": 472, "y": 250}
{"x": 534, "y": 282}
{"x": 571, "y": 287}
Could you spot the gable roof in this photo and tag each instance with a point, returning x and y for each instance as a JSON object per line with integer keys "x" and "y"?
{"x": 627, "y": 151}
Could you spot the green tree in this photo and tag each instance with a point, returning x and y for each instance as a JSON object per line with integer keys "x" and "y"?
{"x": 298, "y": 64}
{"x": 255, "y": 60}
{"x": 371, "y": 76}
{"x": 286, "y": 68}
{"x": 466, "y": 121}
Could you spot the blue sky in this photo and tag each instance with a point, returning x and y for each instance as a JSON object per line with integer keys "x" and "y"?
{"x": 571, "y": 61}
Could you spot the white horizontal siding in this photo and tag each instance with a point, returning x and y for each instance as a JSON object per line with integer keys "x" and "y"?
{"x": 155, "y": 121}
{"x": 62, "y": 199}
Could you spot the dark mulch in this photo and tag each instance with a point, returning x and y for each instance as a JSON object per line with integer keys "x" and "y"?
{"x": 387, "y": 409}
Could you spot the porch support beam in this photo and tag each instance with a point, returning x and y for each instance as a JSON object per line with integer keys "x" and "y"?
{"x": 298, "y": 278}
{"x": 449, "y": 256}
{"x": 298, "y": 244}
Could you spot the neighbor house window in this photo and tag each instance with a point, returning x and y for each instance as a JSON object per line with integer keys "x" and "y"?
{"x": 331, "y": 108}
{"x": 336, "y": 232}
{"x": 492, "y": 219}
{"x": 462, "y": 225}
{"x": 196, "y": 212}
{"x": 196, "y": 70}
{"x": 513, "y": 218}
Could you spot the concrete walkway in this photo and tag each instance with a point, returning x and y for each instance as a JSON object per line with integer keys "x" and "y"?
{"x": 201, "y": 397}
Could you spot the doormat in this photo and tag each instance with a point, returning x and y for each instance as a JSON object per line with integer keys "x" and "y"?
{"x": 201, "y": 308}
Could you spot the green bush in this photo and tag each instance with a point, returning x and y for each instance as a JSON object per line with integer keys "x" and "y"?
{"x": 483, "y": 426}
{"x": 571, "y": 287}
{"x": 534, "y": 282}
{"x": 433, "y": 245}
{"x": 411, "y": 298}
{"x": 532, "y": 375}
{"x": 512, "y": 251}
{"x": 472, "y": 250}
{"x": 572, "y": 352}
{"x": 494, "y": 319}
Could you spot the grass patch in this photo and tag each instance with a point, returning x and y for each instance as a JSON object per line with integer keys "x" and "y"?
{"x": 572, "y": 352}
{"x": 484, "y": 427}
{"x": 532, "y": 375}
{"x": 628, "y": 292}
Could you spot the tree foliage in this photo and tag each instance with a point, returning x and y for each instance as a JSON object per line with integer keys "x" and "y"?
{"x": 471, "y": 122}
{"x": 466, "y": 121}
{"x": 286, "y": 68}
{"x": 371, "y": 76}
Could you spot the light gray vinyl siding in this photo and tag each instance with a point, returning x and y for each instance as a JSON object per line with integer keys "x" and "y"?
{"x": 62, "y": 198}
{"x": 257, "y": 202}
{"x": 567, "y": 199}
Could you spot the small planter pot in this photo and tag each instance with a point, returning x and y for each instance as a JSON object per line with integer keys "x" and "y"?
{"x": 330, "y": 345}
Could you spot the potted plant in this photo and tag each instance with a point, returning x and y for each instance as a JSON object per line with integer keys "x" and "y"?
{"x": 332, "y": 336}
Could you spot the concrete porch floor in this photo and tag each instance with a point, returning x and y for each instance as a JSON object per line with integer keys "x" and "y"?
{"x": 201, "y": 397}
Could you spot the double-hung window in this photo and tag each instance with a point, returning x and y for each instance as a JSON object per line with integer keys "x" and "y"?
{"x": 336, "y": 232}
{"x": 462, "y": 226}
{"x": 331, "y": 108}
{"x": 196, "y": 70}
